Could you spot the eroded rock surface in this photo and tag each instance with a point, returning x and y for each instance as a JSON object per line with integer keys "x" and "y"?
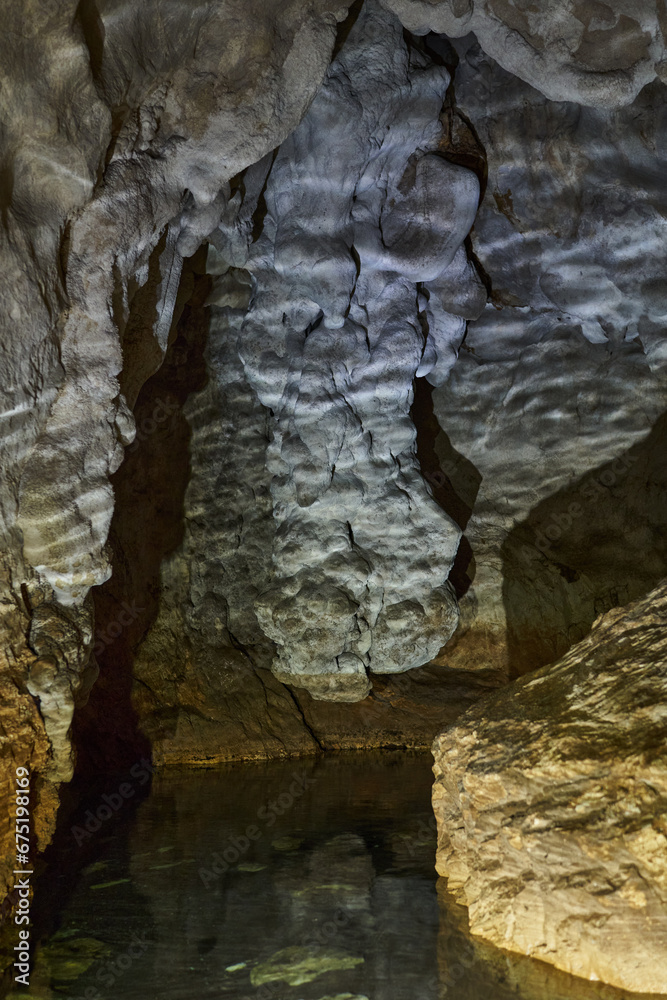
{"x": 122, "y": 124}
{"x": 340, "y": 278}
{"x": 551, "y": 798}
{"x": 550, "y": 429}
{"x": 592, "y": 52}
{"x": 362, "y": 237}
{"x": 192, "y": 561}
{"x": 470, "y": 967}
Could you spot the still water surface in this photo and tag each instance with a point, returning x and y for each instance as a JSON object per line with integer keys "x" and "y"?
{"x": 307, "y": 879}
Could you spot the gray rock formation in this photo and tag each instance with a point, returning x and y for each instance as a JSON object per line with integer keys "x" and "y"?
{"x": 551, "y": 431}
{"x": 516, "y": 470}
{"x": 590, "y": 52}
{"x": 122, "y": 124}
{"x": 550, "y": 798}
{"x": 361, "y": 241}
{"x": 338, "y": 216}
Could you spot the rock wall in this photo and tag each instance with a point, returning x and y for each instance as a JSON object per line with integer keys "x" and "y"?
{"x": 594, "y": 53}
{"x": 550, "y": 797}
{"x": 536, "y": 442}
{"x": 550, "y": 427}
{"x": 121, "y": 128}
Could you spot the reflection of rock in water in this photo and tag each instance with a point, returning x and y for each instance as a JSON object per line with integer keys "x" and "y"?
{"x": 470, "y": 968}
{"x": 335, "y": 897}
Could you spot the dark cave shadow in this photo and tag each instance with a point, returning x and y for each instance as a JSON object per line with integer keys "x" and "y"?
{"x": 80, "y": 839}
{"x": 148, "y": 524}
{"x": 454, "y": 481}
{"x": 597, "y": 544}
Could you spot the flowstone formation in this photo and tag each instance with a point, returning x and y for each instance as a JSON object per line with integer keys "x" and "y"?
{"x": 537, "y": 441}
{"x": 339, "y": 275}
{"x": 550, "y": 798}
{"x": 352, "y": 297}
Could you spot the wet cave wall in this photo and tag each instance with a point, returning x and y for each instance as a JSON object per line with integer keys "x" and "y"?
{"x": 333, "y": 370}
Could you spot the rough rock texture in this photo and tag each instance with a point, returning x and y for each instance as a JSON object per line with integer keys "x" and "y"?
{"x": 549, "y": 430}
{"x": 570, "y": 428}
{"x": 192, "y": 560}
{"x": 592, "y": 52}
{"x": 308, "y": 538}
{"x": 184, "y": 666}
{"x": 351, "y": 276}
{"x": 551, "y": 797}
{"x": 469, "y": 967}
{"x": 121, "y": 125}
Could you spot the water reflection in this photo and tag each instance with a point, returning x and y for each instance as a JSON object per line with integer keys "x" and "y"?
{"x": 297, "y": 880}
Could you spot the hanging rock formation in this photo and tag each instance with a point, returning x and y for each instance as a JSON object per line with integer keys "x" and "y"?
{"x": 591, "y": 52}
{"x": 520, "y": 425}
{"x": 361, "y": 242}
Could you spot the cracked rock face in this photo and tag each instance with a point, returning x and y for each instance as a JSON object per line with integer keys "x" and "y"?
{"x": 302, "y": 536}
{"x": 361, "y": 240}
{"x": 550, "y": 798}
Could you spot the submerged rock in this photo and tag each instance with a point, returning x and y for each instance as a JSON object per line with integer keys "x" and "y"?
{"x": 298, "y": 965}
{"x": 69, "y": 955}
{"x": 551, "y": 802}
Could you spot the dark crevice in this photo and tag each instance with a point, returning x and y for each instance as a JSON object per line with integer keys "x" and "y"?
{"x": 485, "y": 277}
{"x": 141, "y": 352}
{"x": 314, "y": 325}
{"x": 148, "y": 524}
{"x": 6, "y": 191}
{"x": 92, "y": 27}
{"x": 437, "y": 48}
{"x": 62, "y": 259}
{"x": 345, "y": 27}
{"x": 259, "y": 215}
{"x": 119, "y": 116}
{"x": 306, "y": 724}
{"x": 453, "y": 480}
